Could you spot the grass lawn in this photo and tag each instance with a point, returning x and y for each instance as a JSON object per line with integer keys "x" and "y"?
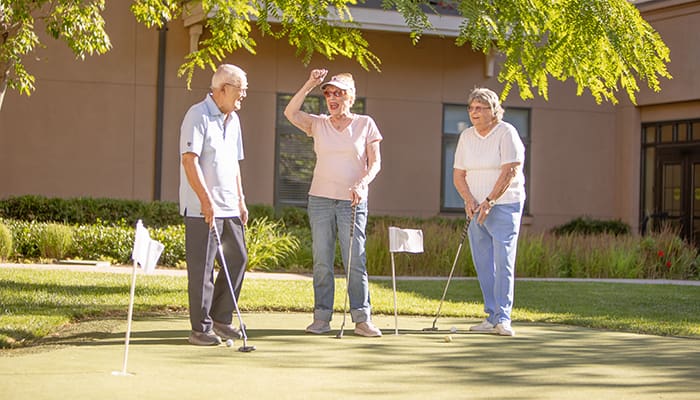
{"x": 38, "y": 303}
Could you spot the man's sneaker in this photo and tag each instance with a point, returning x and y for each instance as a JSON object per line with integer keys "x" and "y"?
{"x": 227, "y": 331}
{"x": 207, "y": 338}
{"x": 368, "y": 329}
{"x": 318, "y": 327}
{"x": 504, "y": 329}
{"x": 484, "y": 326}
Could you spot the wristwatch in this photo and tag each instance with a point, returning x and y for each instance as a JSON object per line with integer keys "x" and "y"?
{"x": 491, "y": 202}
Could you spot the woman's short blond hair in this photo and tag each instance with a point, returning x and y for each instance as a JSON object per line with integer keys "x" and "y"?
{"x": 487, "y": 96}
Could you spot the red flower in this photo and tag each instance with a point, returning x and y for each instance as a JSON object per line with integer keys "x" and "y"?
{"x": 668, "y": 264}
{"x": 660, "y": 253}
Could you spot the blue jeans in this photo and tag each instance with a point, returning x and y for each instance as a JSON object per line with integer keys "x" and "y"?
{"x": 330, "y": 219}
{"x": 494, "y": 245}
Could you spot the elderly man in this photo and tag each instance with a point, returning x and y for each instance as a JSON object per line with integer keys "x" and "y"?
{"x": 211, "y": 194}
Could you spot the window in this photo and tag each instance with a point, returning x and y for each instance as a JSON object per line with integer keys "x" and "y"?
{"x": 294, "y": 152}
{"x": 454, "y": 120}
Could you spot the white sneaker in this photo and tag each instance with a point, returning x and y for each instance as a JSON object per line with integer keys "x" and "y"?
{"x": 367, "y": 329}
{"x": 484, "y": 326}
{"x": 504, "y": 329}
{"x": 318, "y": 327}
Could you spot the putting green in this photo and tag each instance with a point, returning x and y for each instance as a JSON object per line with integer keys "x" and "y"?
{"x": 541, "y": 362}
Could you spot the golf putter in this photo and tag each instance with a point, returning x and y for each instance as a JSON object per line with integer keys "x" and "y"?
{"x": 245, "y": 348}
{"x": 347, "y": 274}
{"x": 449, "y": 278}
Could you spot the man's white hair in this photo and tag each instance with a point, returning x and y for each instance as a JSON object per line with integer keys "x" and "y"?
{"x": 227, "y": 74}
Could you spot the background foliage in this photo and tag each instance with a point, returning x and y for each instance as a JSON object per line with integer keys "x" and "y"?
{"x": 602, "y": 45}
{"x": 280, "y": 240}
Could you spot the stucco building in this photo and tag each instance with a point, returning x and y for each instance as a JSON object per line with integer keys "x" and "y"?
{"x": 108, "y": 126}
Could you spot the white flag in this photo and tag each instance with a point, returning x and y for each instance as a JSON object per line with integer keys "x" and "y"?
{"x": 405, "y": 240}
{"x": 146, "y": 250}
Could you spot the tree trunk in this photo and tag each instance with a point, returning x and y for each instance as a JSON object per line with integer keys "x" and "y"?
{"x": 4, "y": 76}
{"x": 3, "y": 88}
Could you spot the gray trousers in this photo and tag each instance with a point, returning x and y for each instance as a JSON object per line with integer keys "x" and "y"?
{"x": 209, "y": 298}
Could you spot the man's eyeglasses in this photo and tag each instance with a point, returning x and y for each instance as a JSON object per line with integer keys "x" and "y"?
{"x": 477, "y": 108}
{"x": 242, "y": 89}
{"x": 334, "y": 93}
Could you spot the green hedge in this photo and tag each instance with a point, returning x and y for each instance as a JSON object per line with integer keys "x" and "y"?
{"x": 89, "y": 210}
{"x": 281, "y": 240}
{"x": 588, "y": 226}
{"x": 120, "y": 212}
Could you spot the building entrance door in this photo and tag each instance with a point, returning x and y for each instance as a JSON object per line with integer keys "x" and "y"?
{"x": 677, "y": 194}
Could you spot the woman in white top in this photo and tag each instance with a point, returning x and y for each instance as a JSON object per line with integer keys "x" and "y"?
{"x": 347, "y": 160}
{"x": 488, "y": 174}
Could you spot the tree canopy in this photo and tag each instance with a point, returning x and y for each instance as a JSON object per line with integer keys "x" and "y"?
{"x": 605, "y": 46}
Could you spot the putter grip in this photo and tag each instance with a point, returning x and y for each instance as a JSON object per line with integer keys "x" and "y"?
{"x": 464, "y": 230}
{"x": 352, "y": 221}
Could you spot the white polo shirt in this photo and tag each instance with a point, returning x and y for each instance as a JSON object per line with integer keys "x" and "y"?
{"x": 483, "y": 156}
{"x": 219, "y": 149}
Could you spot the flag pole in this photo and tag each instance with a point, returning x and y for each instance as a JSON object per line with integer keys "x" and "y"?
{"x": 393, "y": 282}
{"x": 128, "y": 324}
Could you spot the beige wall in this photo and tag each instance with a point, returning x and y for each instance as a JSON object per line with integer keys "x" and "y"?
{"x": 89, "y": 129}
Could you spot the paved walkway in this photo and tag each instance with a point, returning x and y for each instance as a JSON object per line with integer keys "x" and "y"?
{"x": 126, "y": 269}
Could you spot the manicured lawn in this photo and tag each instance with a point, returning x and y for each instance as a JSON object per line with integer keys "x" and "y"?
{"x": 37, "y": 303}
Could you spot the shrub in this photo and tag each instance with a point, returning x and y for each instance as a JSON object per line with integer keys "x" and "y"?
{"x": 294, "y": 217}
{"x": 6, "y": 243}
{"x": 665, "y": 255}
{"x": 55, "y": 241}
{"x": 588, "y": 226}
{"x": 268, "y": 244}
{"x": 256, "y": 211}
{"x": 173, "y": 238}
{"x": 24, "y": 237}
{"x": 302, "y": 258}
{"x": 104, "y": 242}
{"x": 441, "y": 238}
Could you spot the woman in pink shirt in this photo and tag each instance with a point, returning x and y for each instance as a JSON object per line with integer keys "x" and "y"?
{"x": 347, "y": 160}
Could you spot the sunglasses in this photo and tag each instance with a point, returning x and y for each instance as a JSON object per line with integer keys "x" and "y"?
{"x": 334, "y": 93}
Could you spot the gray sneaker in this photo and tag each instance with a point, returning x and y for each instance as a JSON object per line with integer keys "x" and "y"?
{"x": 227, "y": 331}
{"x": 318, "y": 327}
{"x": 207, "y": 338}
{"x": 367, "y": 329}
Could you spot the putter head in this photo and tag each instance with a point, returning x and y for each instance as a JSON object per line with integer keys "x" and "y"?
{"x": 246, "y": 349}
{"x": 431, "y": 329}
{"x": 339, "y": 335}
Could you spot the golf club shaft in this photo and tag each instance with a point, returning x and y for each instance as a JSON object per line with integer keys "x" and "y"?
{"x": 347, "y": 273}
{"x": 454, "y": 263}
{"x": 224, "y": 266}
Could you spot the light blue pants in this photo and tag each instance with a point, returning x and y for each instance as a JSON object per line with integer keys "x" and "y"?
{"x": 331, "y": 219}
{"x": 494, "y": 245}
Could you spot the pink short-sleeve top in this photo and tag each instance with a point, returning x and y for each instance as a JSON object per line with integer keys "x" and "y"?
{"x": 341, "y": 156}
